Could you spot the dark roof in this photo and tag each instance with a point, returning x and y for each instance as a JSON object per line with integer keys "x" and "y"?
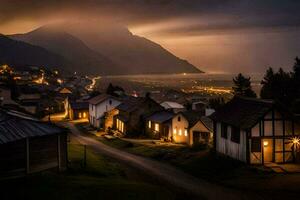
{"x": 131, "y": 103}
{"x": 161, "y": 117}
{"x": 16, "y": 126}
{"x": 192, "y": 116}
{"x": 121, "y": 117}
{"x": 100, "y": 98}
{"x": 243, "y": 112}
{"x": 79, "y": 105}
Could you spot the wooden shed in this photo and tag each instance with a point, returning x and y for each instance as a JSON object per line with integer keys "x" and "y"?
{"x": 28, "y": 145}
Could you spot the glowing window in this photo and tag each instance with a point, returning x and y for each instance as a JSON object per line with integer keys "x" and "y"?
{"x": 185, "y": 132}
{"x": 149, "y": 124}
{"x": 79, "y": 115}
{"x": 156, "y": 127}
{"x": 180, "y": 132}
{"x": 122, "y": 127}
{"x": 175, "y": 131}
{"x": 84, "y": 115}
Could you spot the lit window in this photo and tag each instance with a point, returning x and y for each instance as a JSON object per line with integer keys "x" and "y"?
{"x": 180, "y": 132}
{"x": 84, "y": 115}
{"x": 156, "y": 127}
{"x": 175, "y": 131}
{"x": 149, "y": 124}
{"x": 79, "y": 115}
{"x": 185, "y": 132}
{"x": 122, "y": 127}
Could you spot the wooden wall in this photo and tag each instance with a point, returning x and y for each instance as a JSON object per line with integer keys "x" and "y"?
{"x": 228, "y": 147}
{"x": 33, "y": 155}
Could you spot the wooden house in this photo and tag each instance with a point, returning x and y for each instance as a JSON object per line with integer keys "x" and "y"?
{"x": 159, "y": 125}
{"x": 101, "y": 110}
{"x": 191, "y": 128}
{"x": 132, "y": 113}
{"x": 28, "y": 145}
{"x": 78, "y": 110}
{"x": 255, "y": 131}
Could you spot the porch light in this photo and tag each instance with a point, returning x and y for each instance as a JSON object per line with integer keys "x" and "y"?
{"x": 296, "y": 141}
{"x": 266, "y": 143}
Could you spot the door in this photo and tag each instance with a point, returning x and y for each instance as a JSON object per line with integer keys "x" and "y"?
{"x": 196, "y": 137}
{"x": 268, "y": 150}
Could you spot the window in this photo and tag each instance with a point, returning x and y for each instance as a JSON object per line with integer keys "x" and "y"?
{"x": 180, "y": 132}
{"x": 84, "y": 115}
{"x": 79, "y": 115}
{"x": 185, "y": 132}
{"x": 175, "y": 131}
{"x": 149, "y": 124}
{"x": 235, "y": 134}
{"x": 224, "y": 130}
{"x": 156, "y": 127}
{"x": 255, "y": 145}
{"x": 179, "y": 119}
{"x": 110, "y": 102}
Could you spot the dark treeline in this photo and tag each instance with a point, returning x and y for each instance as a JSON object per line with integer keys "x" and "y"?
{"x": 280, "y": 86}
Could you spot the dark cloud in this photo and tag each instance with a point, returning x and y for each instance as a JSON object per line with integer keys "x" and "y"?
{"x": 241, "y": 12}
{"x": 223, "y": 29}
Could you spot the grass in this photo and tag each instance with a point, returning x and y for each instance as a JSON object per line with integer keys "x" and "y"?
{"x": 203, "y": 163}
{"x": 101, "y": 179}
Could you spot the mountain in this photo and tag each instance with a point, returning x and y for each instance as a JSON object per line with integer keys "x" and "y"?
{"x": 20, "y": 55}
{"x": 136, "y": 55}
{"x": 85, "y": 60}
{"x": 105, "y": 49}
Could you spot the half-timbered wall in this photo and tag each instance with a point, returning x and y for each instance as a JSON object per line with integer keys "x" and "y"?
{"x": 274, "y": 132}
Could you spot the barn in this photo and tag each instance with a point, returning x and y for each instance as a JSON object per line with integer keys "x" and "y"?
{"x": 28, "y": 145}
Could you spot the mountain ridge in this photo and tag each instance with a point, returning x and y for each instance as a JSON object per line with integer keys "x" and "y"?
{"x": 110, "y": 50}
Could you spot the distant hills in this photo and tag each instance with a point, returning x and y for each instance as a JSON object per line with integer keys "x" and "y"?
{"x": 20, "y": 54}
{"x": 91, "y": 49}
{"x": 84, "y": 60}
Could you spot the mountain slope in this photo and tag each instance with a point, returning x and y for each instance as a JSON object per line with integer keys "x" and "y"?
{"x": 85, "y": 60}
{"x": 20, "y": 54}
{"x": 136, "y": 55}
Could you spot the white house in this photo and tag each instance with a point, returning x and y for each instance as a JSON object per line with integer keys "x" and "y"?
{"x": 101, "y": 110}
{"x": 189, "y": 127}
{"x": 256, "y": 131}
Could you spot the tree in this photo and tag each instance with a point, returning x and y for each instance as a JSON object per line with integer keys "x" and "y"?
{"x": 114, "y": 90}
{"x": 216, "y": 103}
{"x": 278, "y": 86}
{"x": 267, "y": 84}
{"x": 242, "y": 86}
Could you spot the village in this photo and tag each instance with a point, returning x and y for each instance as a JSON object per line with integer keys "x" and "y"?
{"x": 46, "y": 117}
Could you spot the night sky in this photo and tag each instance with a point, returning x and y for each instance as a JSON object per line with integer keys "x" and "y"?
{"x": 215, "y": 35}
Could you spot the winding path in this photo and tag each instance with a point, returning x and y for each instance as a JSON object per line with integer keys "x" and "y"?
{"x": 163, "y": 172}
